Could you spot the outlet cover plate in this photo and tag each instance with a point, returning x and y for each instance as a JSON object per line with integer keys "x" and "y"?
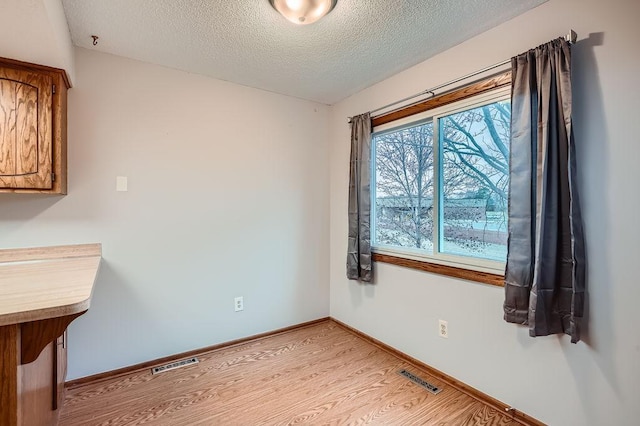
{"x": 238, "y": 303}
{"x": 443, "y": 329}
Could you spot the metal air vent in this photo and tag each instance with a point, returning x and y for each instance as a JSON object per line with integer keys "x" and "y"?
{"x": 422, "y": 383}
{"x": 174, "y": 365}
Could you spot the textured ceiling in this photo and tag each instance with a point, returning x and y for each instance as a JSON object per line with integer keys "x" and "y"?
{"x": 361, "y": 42}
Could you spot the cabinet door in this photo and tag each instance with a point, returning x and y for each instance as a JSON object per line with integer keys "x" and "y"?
{"x": 25, "y": 129}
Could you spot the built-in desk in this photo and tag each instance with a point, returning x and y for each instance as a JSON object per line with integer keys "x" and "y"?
{"x": 41, "y": 291}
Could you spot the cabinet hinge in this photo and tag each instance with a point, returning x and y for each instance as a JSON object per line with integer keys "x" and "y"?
{"x": 53, "y": 177}
{"x": 53, "y": 89}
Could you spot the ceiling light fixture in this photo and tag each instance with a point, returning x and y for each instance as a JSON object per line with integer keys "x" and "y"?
{"x": 303, "y": 12}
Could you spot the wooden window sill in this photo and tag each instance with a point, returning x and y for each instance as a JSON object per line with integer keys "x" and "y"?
{"x": 450, "y": 271}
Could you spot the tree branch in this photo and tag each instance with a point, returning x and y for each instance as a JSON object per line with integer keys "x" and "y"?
{"x": 497, "y": 140}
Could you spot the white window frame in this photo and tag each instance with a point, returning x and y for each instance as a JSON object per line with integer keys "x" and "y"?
{"x": 433, "y": 115}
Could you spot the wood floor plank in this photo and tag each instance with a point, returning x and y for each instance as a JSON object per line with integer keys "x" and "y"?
{"x": 321, "y": 374}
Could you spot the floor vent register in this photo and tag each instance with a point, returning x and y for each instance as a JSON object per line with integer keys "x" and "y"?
{"x": 422, "y": 383}
{"x": 174, "y": 365}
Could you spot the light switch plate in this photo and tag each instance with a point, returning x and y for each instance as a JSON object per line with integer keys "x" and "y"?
{"x": 121, "y": 184}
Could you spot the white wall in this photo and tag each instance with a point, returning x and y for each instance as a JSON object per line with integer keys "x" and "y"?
{"x": 594, "y": 382}
{"x": 228, "y": 196}
{"x": 36, "y": 31}
{"x": 219, "y": 207}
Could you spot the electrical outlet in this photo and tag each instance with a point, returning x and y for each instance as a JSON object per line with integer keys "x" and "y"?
{"x": 238, "y": 303}
{"x": 443, "y": 329}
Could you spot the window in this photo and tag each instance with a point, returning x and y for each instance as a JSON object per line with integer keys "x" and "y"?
{"x": 440, "y": 183}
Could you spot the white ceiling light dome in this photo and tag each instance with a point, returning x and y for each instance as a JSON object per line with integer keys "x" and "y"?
{"x": 303, "y": 12}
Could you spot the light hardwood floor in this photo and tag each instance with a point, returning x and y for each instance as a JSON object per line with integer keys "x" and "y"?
{"x": 321, "y": 374}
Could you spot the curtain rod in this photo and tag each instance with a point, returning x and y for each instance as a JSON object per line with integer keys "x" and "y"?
{"x": 571, "y": 38}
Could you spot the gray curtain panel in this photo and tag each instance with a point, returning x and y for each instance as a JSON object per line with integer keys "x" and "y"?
{"x": 544, "y": 278}
{"x": 359, "y": 265}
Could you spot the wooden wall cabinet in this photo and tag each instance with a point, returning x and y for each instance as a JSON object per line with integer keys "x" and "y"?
{"x": 33, "y": 128}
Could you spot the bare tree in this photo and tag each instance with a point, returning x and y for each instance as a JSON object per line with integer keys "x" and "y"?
{"x": 474, "y": 165}
{"x": 476, "y": 142}
{"x": 404, "y": 178}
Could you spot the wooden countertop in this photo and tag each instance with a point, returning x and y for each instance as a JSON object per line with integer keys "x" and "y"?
{"x": 47, "y": 282}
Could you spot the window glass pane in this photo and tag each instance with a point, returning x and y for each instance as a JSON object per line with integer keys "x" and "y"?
{"x": 403, "y": 198}
{"x": 475, "y": 178}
